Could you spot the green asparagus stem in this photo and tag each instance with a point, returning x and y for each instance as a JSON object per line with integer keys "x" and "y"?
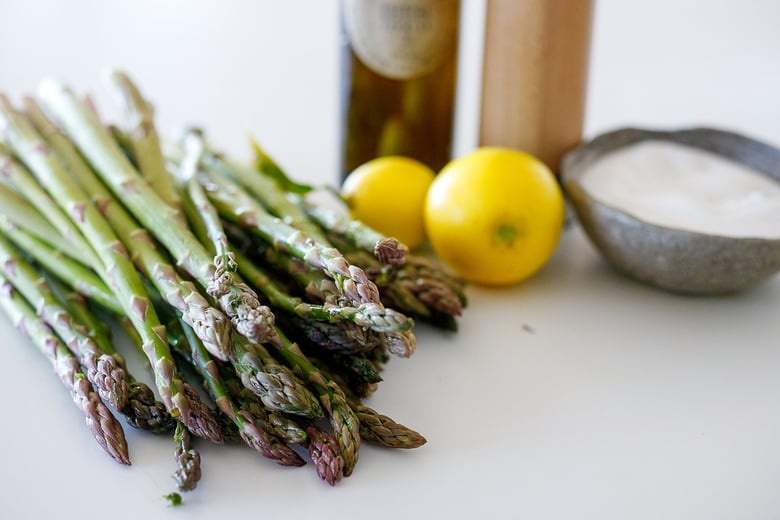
{"x": 342, "y": 419}
{"x": 224, "y": 284}
{"x": 387, "y": 250}
{"x": 376, "y": 428}
{"x": 114, "y": 265}
{"x": 105, "y": 372}
{"x": 236, "y": 205}
{"x": 277, "y": 387}
{"x": 23, "y": 181}
{"x": 272, "y": 422}
{"x": 344, "y": 337}
{"x": 209, "y": 324}
{"x": 144, "y": 140}
{"x": 100, "y": 422}
{"x": 254, "y": 437}
{"x": 70, "y": 271}
{"x": 262, "y": 185}
{"x": 105, "y": 156}
{"x": 401, "y": 343}
{"x": 143, "y": 410}
{"x": 16, "y": 210}
{"x": 369, "y": 315}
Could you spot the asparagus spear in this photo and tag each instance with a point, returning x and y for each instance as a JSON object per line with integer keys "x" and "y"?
{"x": 400, "y": 342}
{"x": 375, "y": 427}
{"x": 342, "y": 419}
{"x": 235, "y": 204}
{"x": 100, "y": 422}
{"x": 277, "y": 387}
{"x": 272, "y": 422}
{"x": 387, "y": 250}
{"x": 188, "y": 472}
{"x": 113, "y": 264}
{"x": 143, "y": 410}
{"x": 144, "y": 140}
{"x": 209, "y": 324}
{"x": 16, "y": 211}
{"x": 55, "y": 261}
{"x": 23, "y": 181}
{"x": 102, "y": 370}
{"x": 381, "y": 429}
{"x": 325, "y": 454}
{"x": 224, "y": 284}
{"x": 99, "y": 148}
{"x": 191, "y": 347}
{"x": 369, "y": 315}
{"x": 262, "y": 185}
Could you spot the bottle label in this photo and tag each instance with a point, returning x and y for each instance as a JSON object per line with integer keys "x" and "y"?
{"x": 401, "y": 39}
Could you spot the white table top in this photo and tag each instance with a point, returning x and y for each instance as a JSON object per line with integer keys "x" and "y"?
{"x": 578, "y": 394}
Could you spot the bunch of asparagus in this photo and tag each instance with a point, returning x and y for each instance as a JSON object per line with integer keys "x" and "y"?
{"x": 285, "y": 310}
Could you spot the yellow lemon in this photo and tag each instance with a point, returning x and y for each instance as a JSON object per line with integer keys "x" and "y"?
{"x": 494, "y": 215}
{"x": 388, "y": 194}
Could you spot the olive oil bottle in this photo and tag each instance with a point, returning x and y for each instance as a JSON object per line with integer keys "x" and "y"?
{"x": 398, "y": 80}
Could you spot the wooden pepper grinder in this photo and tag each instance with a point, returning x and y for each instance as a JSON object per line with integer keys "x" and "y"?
{"x": 534, "y": 75}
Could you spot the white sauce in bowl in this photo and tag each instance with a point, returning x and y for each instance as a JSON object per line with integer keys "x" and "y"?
{"x": 682, "y": 187}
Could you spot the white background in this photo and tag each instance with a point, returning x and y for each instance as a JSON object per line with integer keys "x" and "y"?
{"x": 624, "y": 403}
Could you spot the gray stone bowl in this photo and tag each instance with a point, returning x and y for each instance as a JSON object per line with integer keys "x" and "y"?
{"x": 676, "y": 260}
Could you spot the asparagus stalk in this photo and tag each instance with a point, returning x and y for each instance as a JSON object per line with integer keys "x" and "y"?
{"x": 353, "y": 284}
{"x": 387, "y": 250}
{"x": 23, "y": 181}
{"x": 224, "y": 284}
{"x": 277, "y": 387}
{"x": 99, "y": 148}
{"x": 145, "y": 142}
{"x": 210, "y": 325}
{"x": 254, "y": 437}
{"x": 375, "y": 427}
{"x": 113, "y": 264}
{"x": 273, "y": 423}
{"x": 142, "y": 410}
{"x": 14, "y": 210}
{"x": 342, "y": 419}
{"x": 100, "y": 422}
{"x": 70, "y": 271}
{"x": 345, "y": 336}
{"x": 105, "y": 373}
{"x": 264, "y": 188}
{"x": 368, "y": 315}
{"x": 236, "y": 205}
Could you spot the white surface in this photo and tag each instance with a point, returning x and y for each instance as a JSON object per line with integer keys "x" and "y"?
{"x": 624, "y": 402}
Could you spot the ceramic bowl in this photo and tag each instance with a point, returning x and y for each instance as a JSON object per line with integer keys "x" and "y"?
{"x": 673, "y": 259}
